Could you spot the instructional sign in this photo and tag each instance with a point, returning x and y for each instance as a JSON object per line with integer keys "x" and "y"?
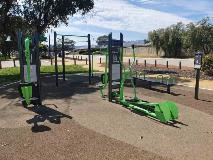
{"x": 198, "y": 60}
{"x": 33, "y": 75}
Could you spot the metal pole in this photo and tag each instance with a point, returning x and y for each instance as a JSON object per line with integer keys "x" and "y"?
{"x": 110, "y": 68}
{"x": 63, "y": 58}
{"x": 14, "y": 62}
{"x": 49, "y": 47}
{"x": 56, "y": 64}
{"x": 89, "y": 56}
{"x": 197, "y": 83}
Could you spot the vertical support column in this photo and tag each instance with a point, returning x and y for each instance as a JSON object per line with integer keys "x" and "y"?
{"x": 38, "y": 65}
{"x": 49, "y": 47}
{"x": 89, "y": 57}
{"x": 56, "y": 61}
{"x": 110, "y": 68}
{"x": 197, "y": 83}
{"x": 121, "y": 62}
{"x": 20, "y": 50}
{"x": 63, "y": 58}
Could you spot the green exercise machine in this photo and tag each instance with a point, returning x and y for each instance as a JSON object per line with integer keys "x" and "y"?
{"x": 30, "y": 86}
{"x": 115, "y": 77}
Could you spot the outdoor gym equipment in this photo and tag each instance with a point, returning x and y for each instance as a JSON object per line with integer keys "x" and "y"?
{"x": 63, "y": 54}
{"x": 115, "y": 77}
{"x": 29, "y": 87}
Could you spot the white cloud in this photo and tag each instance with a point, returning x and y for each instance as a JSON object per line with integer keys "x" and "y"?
{"x": 121, "y": 15}
{"x": 204, "y": 6}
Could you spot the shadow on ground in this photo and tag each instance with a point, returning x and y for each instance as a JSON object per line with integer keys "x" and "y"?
{"x": 66, "y": 89}
{"x": 45, "y": 113}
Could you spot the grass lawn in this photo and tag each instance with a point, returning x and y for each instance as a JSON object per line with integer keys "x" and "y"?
{"x": 9, "y": 75}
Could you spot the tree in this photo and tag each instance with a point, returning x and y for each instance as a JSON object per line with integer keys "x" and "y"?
{"x": 42, "y": 14}
{"x": 102, "y": 40}
{"x": 154, "y": 37}
{"x": 69, "y": 44}
{"x": 10, "y": 20}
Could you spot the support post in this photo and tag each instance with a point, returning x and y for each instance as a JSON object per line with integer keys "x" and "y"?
{"x": 86, "y": 61}
{"x": 0, "y": 65}
{"x": 56, "y": 61}
{"x": 14, "y": 62}
{"x": 197, "y": 83}
{"x": 129, "y": 62}
{"x": 63, "y": 58}
{"x": 110, "y": 68}
{"x": 49, "y": 47}
{"x": 155, "y": 63}
{"x": 167, "y": 64}
{"x": 100, "y": 60}
{"x": 180, "y": 66}
{"x": 145, "y": 63}
{"x": 89, "y": 56}
{"x": 74, "y": 61}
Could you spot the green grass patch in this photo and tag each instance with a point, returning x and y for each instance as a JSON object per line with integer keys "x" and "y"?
{"x": 9, "y": 75}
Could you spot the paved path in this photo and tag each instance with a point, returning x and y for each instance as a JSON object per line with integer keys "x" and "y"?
{"x": 161, "y": 61}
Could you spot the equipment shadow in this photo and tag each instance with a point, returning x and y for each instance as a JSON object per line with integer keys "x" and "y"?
{"x": 45, "y": 113}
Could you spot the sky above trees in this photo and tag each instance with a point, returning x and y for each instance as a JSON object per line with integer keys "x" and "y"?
{"x": 135, "y": 18}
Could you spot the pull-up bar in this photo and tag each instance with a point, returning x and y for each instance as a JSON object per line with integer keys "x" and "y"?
{"x": 71, "y": 35}
{"x": 63, "y": 56}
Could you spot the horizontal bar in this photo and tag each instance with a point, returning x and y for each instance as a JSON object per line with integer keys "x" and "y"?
{"x": 70, "y": 35}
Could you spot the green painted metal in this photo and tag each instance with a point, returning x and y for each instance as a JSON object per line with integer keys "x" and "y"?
{"x": 27, "y": 90}
{"x": 164, "y": 111}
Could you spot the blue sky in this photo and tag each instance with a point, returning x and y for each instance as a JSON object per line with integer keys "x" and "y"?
{"x": 135, "y": 18}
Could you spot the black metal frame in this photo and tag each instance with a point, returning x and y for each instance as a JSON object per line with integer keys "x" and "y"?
{"x": 63, "y": 55}
{"x": 114, "y": 44}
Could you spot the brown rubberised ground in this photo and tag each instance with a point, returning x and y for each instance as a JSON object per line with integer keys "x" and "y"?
{"x": 76, "y": 123}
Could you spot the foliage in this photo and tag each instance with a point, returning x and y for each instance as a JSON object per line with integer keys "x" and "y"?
{"x": 41, "y": 14}
{"x": 8, "y": 75}
{"x": 102, "y": 40}
{"x": 35, "y": 15}
{"x": 183, "y": 40}
{"x": 207, "y": 65}
{"x": 69, "y": 44}
{"x": 10, "y": 21}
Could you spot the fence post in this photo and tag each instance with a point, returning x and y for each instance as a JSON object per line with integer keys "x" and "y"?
{"x": 100, "y": 60}
{"x": 167, "y": 64}
{"x": 145, "y": 63}
{"x": 129, "y": 61}
{"x": 81, "y": 58}
{"x": 14, "y": 62}
{"x": 136, "y": 62}
{"x": 155, "y": 63}
{"x": 0, "y": 65}
{"x": 86, "y": 61}
{"x": 51, "y": 61}
{"x": 75, "y": 61}
{"x": 180, "y": 66}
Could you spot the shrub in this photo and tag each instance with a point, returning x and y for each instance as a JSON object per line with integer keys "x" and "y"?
{"x": 207, "y": 66}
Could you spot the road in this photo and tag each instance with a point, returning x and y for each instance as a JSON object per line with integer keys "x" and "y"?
{"x": 162, "y": 61}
